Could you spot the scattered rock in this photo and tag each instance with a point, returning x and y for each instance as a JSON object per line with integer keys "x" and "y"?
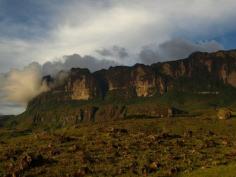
{"x": 153, "y": 167}
{"x": 24, "y": 163}
{"x": 210, "y": 143}
{"x": 49, "y": 145}
{"x": 168, "y": 136}
{"x": 54, "y": 152}
{"x": 151, "y": 138}
{"x": 224, "y": 113}
{"x": 188, "y": 134}
{"x": 211, "y": 133}
{"x": 74, "y": 148}
{"x": 180, "y": 143}
{"x": 173, "y": 171}
{"x": 119, "y": 130}
{"x": 225, "y": 142}
{"x": 65, "y": 139}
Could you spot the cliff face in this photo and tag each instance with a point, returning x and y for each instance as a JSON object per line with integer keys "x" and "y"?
{"x": 139, "y": 80}
{"x": 146, "y": 81}
{"x": 200, "y": 73}
{"x": 82, "y": 85}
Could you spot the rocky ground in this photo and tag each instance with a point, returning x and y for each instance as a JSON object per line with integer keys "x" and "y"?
{"x": 144, "y": 147}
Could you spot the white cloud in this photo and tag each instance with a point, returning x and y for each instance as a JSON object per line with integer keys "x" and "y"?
{"x": 21, "y": 86}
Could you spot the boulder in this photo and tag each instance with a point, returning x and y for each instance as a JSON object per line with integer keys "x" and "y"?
{"x": 224, "y": 113}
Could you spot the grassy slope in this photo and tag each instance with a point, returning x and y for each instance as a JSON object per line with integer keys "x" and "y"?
{"x": 194, "y": 104}
{"x": 106, "y": 152}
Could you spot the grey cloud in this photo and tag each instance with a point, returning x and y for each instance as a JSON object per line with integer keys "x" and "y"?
{"x": 181, "y": 48}
{"x": 90, "y": 62}
{"x": 149, "y": 55}
{"x": 120, "y": 51}
{"x": 105, "y": 52}
{"x": 77, "y": 61}
{"x": 176, "y": 49}
{"x": 115, "y": 51}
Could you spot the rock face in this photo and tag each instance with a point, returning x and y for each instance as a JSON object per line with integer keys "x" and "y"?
{"x": 201, "y": 73}
{"x": 208, "y": 69}
{"x": 144, "y": 81}
{"x": 82, "y": 85}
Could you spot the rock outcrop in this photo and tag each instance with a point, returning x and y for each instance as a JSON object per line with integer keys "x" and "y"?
{"x": 224, "y": 113}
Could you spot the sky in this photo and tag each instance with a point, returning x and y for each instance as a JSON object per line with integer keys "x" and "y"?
{"x": 46, "y": 36}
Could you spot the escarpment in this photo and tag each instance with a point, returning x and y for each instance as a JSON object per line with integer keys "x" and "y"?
{"x": 106, "y": 94}
{"x": 206, "y": 69}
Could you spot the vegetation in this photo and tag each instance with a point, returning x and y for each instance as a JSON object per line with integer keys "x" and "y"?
{"x": 194, "y": 144}
{"x": 184, "y": 146}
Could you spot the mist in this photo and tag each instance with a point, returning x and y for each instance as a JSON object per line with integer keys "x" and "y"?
{"x": 19, "y": 86}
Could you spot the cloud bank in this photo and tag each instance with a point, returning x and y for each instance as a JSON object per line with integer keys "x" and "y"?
{"x": 175, "y": 49}
{"x": 45, "y": 30}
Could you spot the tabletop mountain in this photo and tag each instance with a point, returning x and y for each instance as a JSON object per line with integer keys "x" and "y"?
{"x": 158, "y": 90}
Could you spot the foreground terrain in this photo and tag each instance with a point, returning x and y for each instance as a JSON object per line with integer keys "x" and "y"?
{"x": 192, "y": 146}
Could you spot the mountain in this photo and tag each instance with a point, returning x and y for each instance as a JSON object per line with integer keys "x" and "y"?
{"x": 158, "y": 90}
